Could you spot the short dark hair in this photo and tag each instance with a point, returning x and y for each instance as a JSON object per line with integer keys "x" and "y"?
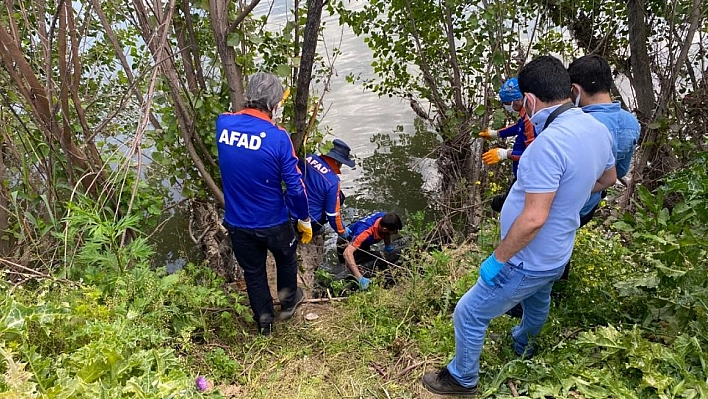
{"x": 592, "y": 73}
{"x": 391, "y": 221}
{"x": 546, "y": 78}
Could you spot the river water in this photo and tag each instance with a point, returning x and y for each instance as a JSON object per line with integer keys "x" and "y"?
{"x": 394, "y": 162}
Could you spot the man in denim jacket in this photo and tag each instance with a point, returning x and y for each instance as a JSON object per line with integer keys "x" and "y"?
{"x": 591, "y": 78}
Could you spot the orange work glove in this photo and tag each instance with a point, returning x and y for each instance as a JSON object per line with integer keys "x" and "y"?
{"x": 489, "y": 134}
{"x": 494, "y": 155}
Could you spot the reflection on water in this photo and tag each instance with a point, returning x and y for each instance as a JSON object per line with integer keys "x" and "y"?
{"x": 397, "y": 175}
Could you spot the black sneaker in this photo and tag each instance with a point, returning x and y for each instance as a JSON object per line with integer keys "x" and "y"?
{"x": 286, "y": 313}
{"x": 443, "y": 383}
{"x": 265, "y": 330}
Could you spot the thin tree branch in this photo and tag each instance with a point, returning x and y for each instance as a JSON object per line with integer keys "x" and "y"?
{"x": 242, "y": 16}
{"x": 457, "y": 81}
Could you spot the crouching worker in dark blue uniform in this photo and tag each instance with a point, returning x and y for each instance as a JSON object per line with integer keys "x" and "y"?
{"x": 255, "y": 158}
{"x": 323, "y": 190}
{"x": 354, "y": 250}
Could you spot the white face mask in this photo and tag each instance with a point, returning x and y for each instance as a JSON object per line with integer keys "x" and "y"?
{"x": 533, "y": 111}
{"x": 278, "y": 114}
{"x": 510, "y": 109}
{"x": 577, "y": 98}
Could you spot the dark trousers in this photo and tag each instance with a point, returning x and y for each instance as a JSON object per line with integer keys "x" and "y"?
{"x": 498, "y": 200}
{"x": 583, "y": 221}
{"x": 361, "y": 258}
{"x": 251, "y": 248}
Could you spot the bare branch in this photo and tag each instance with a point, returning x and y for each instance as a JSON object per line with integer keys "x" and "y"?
{"x": 425, "y": 67}
{"x": 242, "y": 16}
{"x": 457, "y": 81}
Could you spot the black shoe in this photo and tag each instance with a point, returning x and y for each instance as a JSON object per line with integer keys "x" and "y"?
{"x": 443, "y": 383}
{"x": 517, "y": 311}
{"x": 265, "y": 330}
{"x": 286, "y": 313}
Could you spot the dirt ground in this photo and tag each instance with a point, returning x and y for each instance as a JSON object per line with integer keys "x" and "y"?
{"x": 309, "y": 257}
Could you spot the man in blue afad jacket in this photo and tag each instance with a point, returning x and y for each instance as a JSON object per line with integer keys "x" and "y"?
{"x": 255, "y": 158}
{"x": 323, "y": 188}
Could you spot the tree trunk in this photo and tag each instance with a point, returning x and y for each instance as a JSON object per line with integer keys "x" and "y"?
{"x": 4, "y": 222}
{"x": 309, "y": 45}
{"x": 653, "y": 141}
{"x": 222, "y": 29}
{"x": 639, "y": 59}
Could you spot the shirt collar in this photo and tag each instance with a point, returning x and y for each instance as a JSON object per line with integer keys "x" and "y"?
{"x": 604, "y": 107}
{"x": 255, "y": 113}
{"x": 332, "y": 164}
{"x": 376, "y": 230}
{"x": 540, "y": 117}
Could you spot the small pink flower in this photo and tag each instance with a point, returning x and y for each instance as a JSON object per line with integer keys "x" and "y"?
{"x": 201, "y": 383}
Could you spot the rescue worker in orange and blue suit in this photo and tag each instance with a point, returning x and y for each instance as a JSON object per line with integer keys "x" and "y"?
{"x": 523, "y": 129}
{"x": 323, "y": 187}
{"x": 355, "y": 249}
{"x": 255, "y": 158}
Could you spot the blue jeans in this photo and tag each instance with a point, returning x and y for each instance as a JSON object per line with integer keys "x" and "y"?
{"x": 482, "y": 303}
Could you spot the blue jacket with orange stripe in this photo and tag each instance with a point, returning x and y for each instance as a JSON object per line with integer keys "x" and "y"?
{"x": 255, "y": 158}
{"x": 322, "y": 185}
{"x": 525, "y": 134}
{"x": 365, "y": 232}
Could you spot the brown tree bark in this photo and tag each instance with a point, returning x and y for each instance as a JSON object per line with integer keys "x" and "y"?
{"x": 4, "y": 222}
{"x": 653, "y": 140}
{"x": 156, "y": 39}
{"x": 639, "y": 59}
{"x": 36, "y": 97}
{"x": 219, "y": 14}
{"x": 309, "y": 46}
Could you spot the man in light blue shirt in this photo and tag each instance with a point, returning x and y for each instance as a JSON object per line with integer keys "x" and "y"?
{"x": 570, "y": 158}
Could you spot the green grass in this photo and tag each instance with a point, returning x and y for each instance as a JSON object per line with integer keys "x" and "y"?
{"x": 151, "y": 333}
{"x": 377, "y": 344}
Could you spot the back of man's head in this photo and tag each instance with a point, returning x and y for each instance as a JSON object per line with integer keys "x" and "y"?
{"x": 592, "y": 73}
{"x": 391, "y": 221}
{"x": 264, "y": 91}
{"x": 546, "y": 78}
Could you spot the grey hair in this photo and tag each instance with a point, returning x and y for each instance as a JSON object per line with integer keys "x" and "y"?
{"x": 264, "y": 90}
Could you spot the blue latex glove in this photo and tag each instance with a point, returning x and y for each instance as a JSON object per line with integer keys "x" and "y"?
{"x": 347, "y": 233}
{"x": 388, "y": 248}
{"x": 489, "y": 269}
{"x": 364, "y": 283}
